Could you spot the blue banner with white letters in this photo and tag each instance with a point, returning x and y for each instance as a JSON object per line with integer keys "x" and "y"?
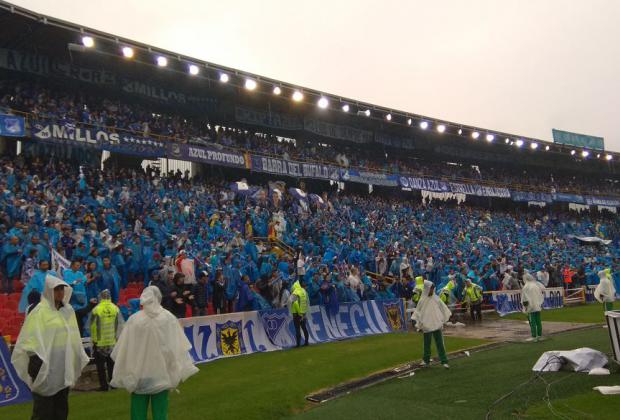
{"x": 509, "y": 301}
{"x": 12, "y": 389}
{"x": 12, "y": 126}
{"x": 526, "y": 196}
{"x": 217, "y": 336}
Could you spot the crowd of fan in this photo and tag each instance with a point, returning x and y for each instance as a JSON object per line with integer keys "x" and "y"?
{"x": 197, "y": 240}
{"x": 81, "y": 108}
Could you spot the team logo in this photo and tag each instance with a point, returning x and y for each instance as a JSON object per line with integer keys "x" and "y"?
{"x": 275, "y": 324}
{"x": 12, "y": 389}
{"x": 394, "y": 315}
{"x": 12, "y": 125}
{"x": 175, "y": 150}
{"x": 229, "y": 338}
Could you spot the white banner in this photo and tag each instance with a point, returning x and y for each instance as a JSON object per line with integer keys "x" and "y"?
{"x": 59, "y": 263}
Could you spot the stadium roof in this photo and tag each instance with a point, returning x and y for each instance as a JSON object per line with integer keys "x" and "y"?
{"x": 65, "y": 37}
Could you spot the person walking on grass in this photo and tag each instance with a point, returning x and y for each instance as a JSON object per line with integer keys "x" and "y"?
{"x": 605, "y": 292}
{"x": 151, "y": 357}
{"x": 532, "y": 299}
{"x": 430, "y": 315}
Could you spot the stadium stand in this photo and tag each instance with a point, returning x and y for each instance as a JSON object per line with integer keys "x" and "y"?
{"x": 270, "y": 192}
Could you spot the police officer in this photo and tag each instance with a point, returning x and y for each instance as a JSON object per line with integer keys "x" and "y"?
{"x": 105, "y": 327}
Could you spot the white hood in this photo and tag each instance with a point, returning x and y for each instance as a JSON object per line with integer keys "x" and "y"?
{"x": 431, "y": 313}
{"x": 151, "y": 301}
{"x": 605, "y": 291}
{"x": 51, "y": 282}
{"x": 533, "y": 293}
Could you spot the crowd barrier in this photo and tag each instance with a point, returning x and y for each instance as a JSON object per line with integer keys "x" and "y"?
{"x": 226, "y": 335}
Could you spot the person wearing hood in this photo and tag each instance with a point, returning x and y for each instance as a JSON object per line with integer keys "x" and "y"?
{"x": 151, "y": 357}
{"x": 430, "y": 315}
{"x": 49, "y": 356}
{"x": 106, "y": 323}
{"x": 36, "y": 282}
{"x": 300, "y": 304}
{"x": 605, "y": 292}
{"x": 532, "y": 299}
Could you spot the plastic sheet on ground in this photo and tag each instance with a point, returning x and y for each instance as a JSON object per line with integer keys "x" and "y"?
{"x": 580, "y": 360}
{"x": 608, "y": 390}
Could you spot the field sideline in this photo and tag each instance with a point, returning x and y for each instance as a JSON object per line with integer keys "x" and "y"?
{"x": 273, "y": 385}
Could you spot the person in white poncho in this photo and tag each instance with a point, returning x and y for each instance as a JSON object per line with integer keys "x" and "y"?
{"x": 430, "y": 315}
{"x": 605, "y": 292}
{"x": 49, "y": 356}
{"x": 151, "y": 357}
{"x": 532, "y": 299}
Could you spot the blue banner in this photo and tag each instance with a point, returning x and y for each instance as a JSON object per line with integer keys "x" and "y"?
{"x": 526, "y": 196}
{"x": 12, "y": 389}
{"x": 211, "y": 155}
{"x": 579, "y": 140}
{"x": 365, "y": 177}
{"x": 509, "y": 301}
{"x": 569, "y": 198}
{"x": 602, "y": 201}
{"x": 480, "y": 190}
{"x": 235, "y": 334}
{"x": 12, "y": 126}
{"x": 423, "y": 184}
{"x": 294, "y": 169}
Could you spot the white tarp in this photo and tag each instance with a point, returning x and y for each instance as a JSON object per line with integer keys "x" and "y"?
{"x": 580, "y": 360}
{"x": 591, "y": 239}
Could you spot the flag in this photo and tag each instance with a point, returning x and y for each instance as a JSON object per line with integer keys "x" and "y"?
{"x": 59, "y": 263}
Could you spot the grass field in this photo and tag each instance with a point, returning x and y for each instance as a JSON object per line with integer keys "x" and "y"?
{"x": 468, "y": 389}
{"x": 260, "y": 386}
{"x": 273, "y": 385}
{"x": 592, "y": 313}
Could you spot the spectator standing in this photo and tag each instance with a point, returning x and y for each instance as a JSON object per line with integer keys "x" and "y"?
{"x": 49, "y": 356}
{"x": 151, "y": 357}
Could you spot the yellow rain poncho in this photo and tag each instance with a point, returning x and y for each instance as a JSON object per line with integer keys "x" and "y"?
{"x": 52, "y": 335}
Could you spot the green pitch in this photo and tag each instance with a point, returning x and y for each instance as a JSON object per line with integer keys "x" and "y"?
{"x": 260, "y": 386}
{"x": 591, "y": 313}
{"x": 273, "y": 385}
{"x": 470, "y": 387}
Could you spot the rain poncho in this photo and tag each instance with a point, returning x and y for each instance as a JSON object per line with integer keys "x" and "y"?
{"x": 152, "y": 353}
{"x": 52, "y": 335}
{"x": 431, "y": 313}
{"x": 532, "y": 294}
{"x": 605, "y": 291}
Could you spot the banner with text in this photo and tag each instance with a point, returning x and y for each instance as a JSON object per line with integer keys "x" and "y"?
{"x": 235, "y": 334}
{"x": 294, "y": 169}
{"x": 12, "y": 389}
{"x": 365, "y": 177}
{"x": 206, "y": 154}
{"x": 509, "y": 301}
{"x": 337, "y": 131}
{"x": 579, "y": 140}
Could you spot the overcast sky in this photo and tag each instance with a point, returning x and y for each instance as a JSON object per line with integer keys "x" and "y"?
{"x": 521, "y": 66}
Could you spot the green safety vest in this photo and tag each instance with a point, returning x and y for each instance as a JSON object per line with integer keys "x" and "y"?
{"x": 104, "y": 324}
{"x": 300, "y": 306}
{"x": 473, "y": 293}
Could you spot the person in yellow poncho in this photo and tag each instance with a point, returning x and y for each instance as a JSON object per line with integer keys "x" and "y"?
{"x": 49, "y": 356}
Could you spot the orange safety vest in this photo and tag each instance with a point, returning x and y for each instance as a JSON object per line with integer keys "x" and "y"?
{"x": 568, "y": 275}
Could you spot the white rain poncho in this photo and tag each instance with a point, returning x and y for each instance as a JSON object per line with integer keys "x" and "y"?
{"x": 431, "y": 313}
{"x": 605, "y": 291}
{"x": 152, "y": 353}
{"x": 52, "y": 335}
{"x": 533, "y": 293}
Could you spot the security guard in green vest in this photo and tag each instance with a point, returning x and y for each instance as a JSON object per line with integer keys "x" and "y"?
{"x": 417, "y": 290}
{"x": 472, "y": 296}
{"x": 105, "y": 327}
{"x": 299, "y": 308}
